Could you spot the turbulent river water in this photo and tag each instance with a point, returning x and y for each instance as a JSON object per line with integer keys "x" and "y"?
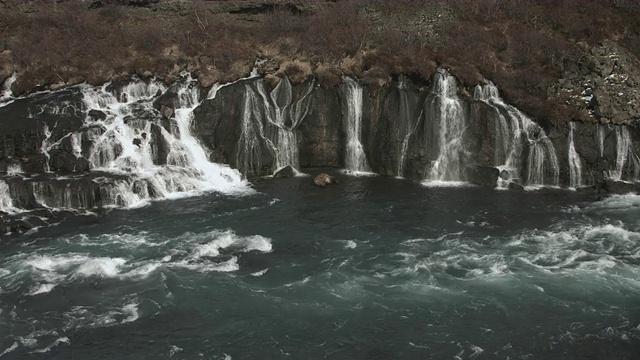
{"x": 372, "y": 268}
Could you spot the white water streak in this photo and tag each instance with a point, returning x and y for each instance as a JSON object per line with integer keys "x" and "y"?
{"x": 626, "y": 157}
{"x": 519, "y": 138}
{"x": 355, "y": 158}
{"x": 449, "y": 166}
{"x": 575, "y": 164}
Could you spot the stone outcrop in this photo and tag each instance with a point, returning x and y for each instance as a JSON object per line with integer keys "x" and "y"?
{"x": 322, "y": 180}
{"x": 604, "y": 83}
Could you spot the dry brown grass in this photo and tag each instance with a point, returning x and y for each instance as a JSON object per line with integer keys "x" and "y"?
{"x": 523, "y": 45}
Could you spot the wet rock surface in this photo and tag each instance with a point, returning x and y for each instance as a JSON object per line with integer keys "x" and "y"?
{"x": 52, "y": 144}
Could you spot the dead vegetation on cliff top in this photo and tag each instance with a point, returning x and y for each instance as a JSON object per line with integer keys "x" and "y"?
{"x": 523, "y": 46}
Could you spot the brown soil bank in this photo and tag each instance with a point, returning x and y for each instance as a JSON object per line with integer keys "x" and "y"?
{"x": 555, "y": 60}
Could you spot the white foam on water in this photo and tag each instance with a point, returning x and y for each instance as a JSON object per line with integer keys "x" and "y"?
{"x": 618, "y": 232}
{"x": 475, "y": 351}
{"x": 446, "y": 184}
{"x": 617, "y": 202}
{"x": 229, "y": 240}
{"x": 144, "y": 271}
{"x": 103, "y": 267}
{"x": 49, "y": 271}
{"x": 350, "y": 244}
{"x": 140, "y": 240}
{"x": 42, "y": 289}
{"x": 260, "y": 273}
{"x": 99, "y": 316}
{"x": 62, "y": 340}
{"x": 9, "y": 349}
{"x": 174, "y": 350}
{"x": 599, "y": 249}
{"x": 131, "y": 312}
{"x": 208, "y": 254}
{"x": 359, "y": 173}
{"x": 229, "y": 265}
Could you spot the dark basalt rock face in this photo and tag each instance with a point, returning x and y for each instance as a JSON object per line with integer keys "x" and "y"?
{"x": 483, "y": 175}
{"x": 619, "y": 187}
{"x": 321, "y": 136}
{"x": 26, "y": 122}
{"x": 47, "y": 135}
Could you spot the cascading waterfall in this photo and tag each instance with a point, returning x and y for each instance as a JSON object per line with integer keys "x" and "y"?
{"x": 524, "y": 139}
{"x": 122, "y": 146}
{"x": 248, "y": 156}
{"x": 6, "y": 204}
{"x": 575, "y": 164}
{"x": 355, "y": 158}
{"x": 450, "y": 122}
{"x": 283, "y": 114}
{"x": 626, "y": 157}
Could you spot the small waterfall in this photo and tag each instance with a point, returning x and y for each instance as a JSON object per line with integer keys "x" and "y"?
{"x": 520, "y": 139}
{"x": 6, "y": 204}
{"x": 122, "y": 144}
{"x": 450, "y": 122}
{"x": 601, "y": 136}
{"x": 355, "y": 158}
{"x": 6, "y": 96}
{"x": 626, "y": 157}
{"x": 58, "y": 195}
{"x": 282, "y": 115}
{"x": 249, "y": 152}
{"x": 14, "y": 169}
{"x": 575, "y": 164}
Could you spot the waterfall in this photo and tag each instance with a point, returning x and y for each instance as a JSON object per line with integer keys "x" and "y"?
{"x": 575, "y": 164}
{"x": 450, "y": 122}
{"x": 6, "y": 204}
{"x": 626, "y": 157}
{"x": 249, "y": 152}
{"x": 355, "y": 158}
{"x": 14, "y": 169}
{"x": 280, "y": 114}
{"x": 122, "y": 146}
{"x": 601, "y": 136}
{"x": 6, "y": 96}
{"x": 524, "y": 140}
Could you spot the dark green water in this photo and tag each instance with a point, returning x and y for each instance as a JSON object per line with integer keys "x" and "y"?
{"x": 373, "y": 268}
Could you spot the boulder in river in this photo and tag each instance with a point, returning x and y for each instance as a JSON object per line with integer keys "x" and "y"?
{"x": 619, "y": 187}
{"x": 285, "y": 172}
{"x": 323, "y": 180}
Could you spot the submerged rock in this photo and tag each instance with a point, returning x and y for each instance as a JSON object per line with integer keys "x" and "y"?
{"x": 516, "y": 187}
{"x": 323, "y": 180}
{"x": 619, "y": 187}
{"x": 285, "y": 172}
